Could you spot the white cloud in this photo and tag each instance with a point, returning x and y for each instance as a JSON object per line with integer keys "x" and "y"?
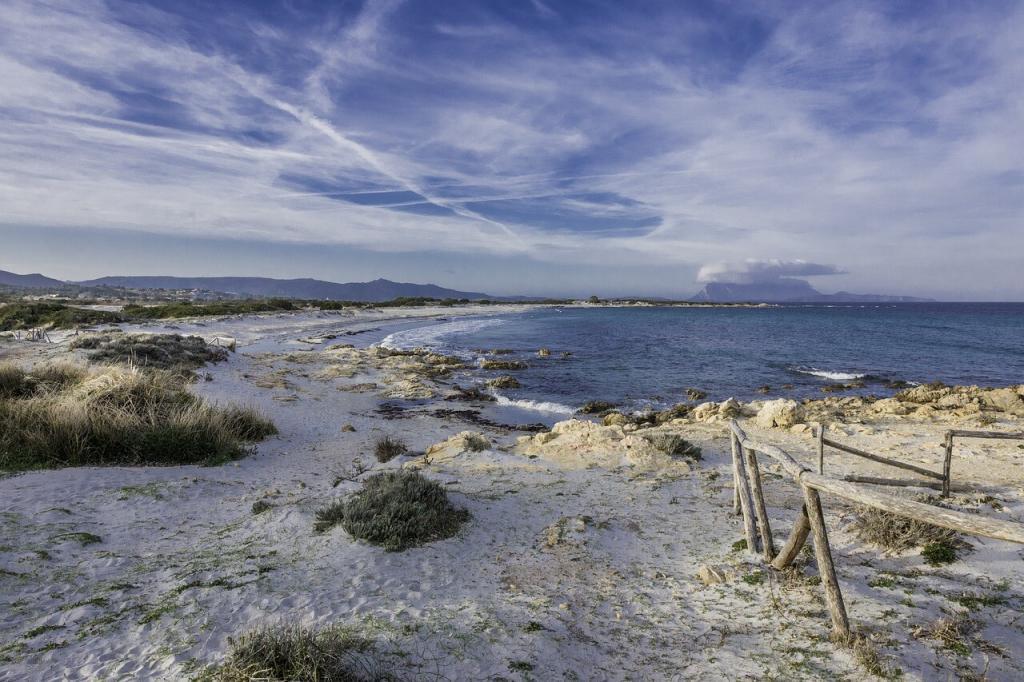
{"x": 753, "y": 270}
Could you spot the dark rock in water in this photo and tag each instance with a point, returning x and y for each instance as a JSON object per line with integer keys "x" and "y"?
{"x": 505, "y": 365}
{"x": 348, "y": 428}
{"x": 566, "y": 355}
{"x": 676, "y": 412}
{"x": 544, "y": 352}
{"x": 787, "y": 387}
{"x": 504, "y": 382}
{"x": 473, "y": 393}
{"x": 896, "y": 384}
{"x": 502, "y": 351}
{"x": 764, "y": 389}
{"x": 474, "y": 417}
{"x": 596, "y": 407}
{"x": 695, "y": 394}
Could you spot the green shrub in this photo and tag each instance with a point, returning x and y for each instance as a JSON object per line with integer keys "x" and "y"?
{"x": 296, "y": 652}
{"x": 939, "y": 552}
{"x": 57, "y": 315}
{"x": 395, "y": 510}
{"x": 158, "y": 351}
{"x": 675, "y": 445}
{"x": 387, "y": 448}
{"x": 260, "y": 506}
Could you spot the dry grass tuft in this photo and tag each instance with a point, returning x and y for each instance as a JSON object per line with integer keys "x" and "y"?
{"x": 396, "y": 510}
{"x": 896, "y": 533}
{"x": 63, "y": 415}
{"x": 297, "y": 652}
{"x": 387, "y": 448}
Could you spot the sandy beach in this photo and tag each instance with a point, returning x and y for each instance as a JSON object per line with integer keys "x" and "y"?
{"x": 590, "y": 554}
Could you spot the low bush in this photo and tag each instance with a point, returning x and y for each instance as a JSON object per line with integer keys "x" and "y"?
{"x": 387, "y": 448}
{"x": 57, "y": 315}
{"x": 896, "y": 533}
{"x": 296, "y": 652}
{"x": 675, "y": 445}
{"x": 395, "y": 510}
{"x": 159, "y": 351}
{"x": 66, "y": 416}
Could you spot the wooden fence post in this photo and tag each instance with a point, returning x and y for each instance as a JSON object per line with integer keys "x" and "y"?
{"x": 746, "y": 504}
{"x": 821, "y": 448}
{"x": 827, "y": 570}
{"x": 947, "y": 464}
{"x": 757, "y": 493}
{"x": 795, "y": 543}
{"x": 735, "y": 481}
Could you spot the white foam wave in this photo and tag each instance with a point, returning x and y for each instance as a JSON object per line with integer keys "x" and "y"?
{"x": 535, "y": 405}
{"x": 825, "y": 374}
{"x": 431, "y": 336}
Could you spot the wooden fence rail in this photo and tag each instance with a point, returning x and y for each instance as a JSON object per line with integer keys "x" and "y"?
{"x": 750, "y": 496}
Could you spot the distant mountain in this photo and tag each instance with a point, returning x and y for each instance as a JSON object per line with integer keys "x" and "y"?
{"x": 33, "y": 281}
{"x": 788, "y": 290}
{"x": 377, "y": 290}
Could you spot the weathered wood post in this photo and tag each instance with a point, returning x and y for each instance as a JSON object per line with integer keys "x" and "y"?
{"x": 746, "y": 504}
{"x": 821, "y": 448}
{"x": 795, "y": 543}
{"x": 947, "y": 464}
{"x": 757, "y": 492}
{"x": 827, "y": 570}
{"x": 735, "y": 481}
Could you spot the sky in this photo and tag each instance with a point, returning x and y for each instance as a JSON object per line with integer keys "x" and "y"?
{"x": 519, "y": 146}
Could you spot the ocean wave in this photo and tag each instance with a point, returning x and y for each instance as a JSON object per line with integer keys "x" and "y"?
{"x": 432, "y": 335}
{"x": 535, "y": 405}
{"x": 825, "y": 374}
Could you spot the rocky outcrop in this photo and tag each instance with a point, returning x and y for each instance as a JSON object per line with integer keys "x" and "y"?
{"x": 782, "y": 413}
{"x": 582, "y": 444}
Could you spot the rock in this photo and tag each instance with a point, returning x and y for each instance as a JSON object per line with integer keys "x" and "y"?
{"x": 1008, "y": 400}
{"x": 890, "y": 406}
{"x": 676, "y": 412}
{"x": 705, "y": 411}
{"x": 710, "y": 575}
{"x": 505, "y": 365}
{"x": 465, "y": 441}
{"x": 764, "y": 389}
{"x": 615, "y": 419}
{"x": 674, "y": 444}
{"x": 781, "y": 413}
{"x": 695, "y": 394}
{"x": 566, "y": 355}
{"x": 581, "y": 444}
{"x": 800, "y": 429}
{"x": 729, "y": 408}
{"x": 348, "y": 428}
{"x": 544, "y": 352}
{"x": 596, "y": 406}
{"x": 504, "y": 381}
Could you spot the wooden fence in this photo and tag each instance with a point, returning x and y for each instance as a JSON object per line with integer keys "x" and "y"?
{"x": 751, "y": 504}
{"x": 942, "y": 481}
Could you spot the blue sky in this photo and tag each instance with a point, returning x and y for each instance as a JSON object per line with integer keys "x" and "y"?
{"x": 518, "y": 146}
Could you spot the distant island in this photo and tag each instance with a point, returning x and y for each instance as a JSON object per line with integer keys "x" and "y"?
{"x": 789, "y": 290}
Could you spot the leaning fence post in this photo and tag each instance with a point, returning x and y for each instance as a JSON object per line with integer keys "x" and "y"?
{"x": 947, "y": 464}
{"x": 743, "y": 486}
{"x": 826, "y": 568}
{"x": 757, "y": 492}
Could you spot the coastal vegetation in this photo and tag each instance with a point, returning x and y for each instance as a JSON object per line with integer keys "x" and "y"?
{"x": 64, "y": 415}
{"x": 395, "y": 510}
{"x": 18, "y": 316}
{"x": 895, "y": 533}
{"x": 158, "y": 351}
{"x": 291, "y": 651}
{"x": 387, "y": 448}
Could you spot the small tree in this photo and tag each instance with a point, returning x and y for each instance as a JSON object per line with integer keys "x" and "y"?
{"x": 593, "y": 299}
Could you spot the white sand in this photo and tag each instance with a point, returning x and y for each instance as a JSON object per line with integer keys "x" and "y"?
{"x": 581, "y": 573}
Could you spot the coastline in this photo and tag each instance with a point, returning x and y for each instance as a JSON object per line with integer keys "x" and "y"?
{"x": 582, "y": 556}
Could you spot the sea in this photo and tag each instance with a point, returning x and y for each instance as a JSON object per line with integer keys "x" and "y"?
{"x": 647, "y": 357}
